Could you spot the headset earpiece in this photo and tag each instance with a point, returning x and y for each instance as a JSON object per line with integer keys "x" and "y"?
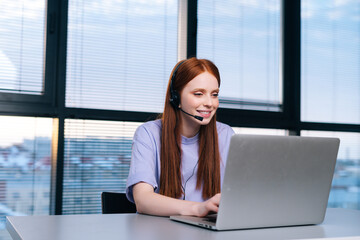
{"x": 174, "y": 95}
{"x": 175, "y": 99}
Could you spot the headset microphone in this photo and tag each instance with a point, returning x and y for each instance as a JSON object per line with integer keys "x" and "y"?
{"x": 197, "y": 117}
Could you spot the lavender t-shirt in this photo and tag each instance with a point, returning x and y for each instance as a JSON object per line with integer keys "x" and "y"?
{"x": 145, "y": 159}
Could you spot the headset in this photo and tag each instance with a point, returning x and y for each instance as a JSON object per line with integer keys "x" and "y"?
{"x": 175, "y": 96}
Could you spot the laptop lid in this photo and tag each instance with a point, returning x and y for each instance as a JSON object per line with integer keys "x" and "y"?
{"x": 276, "y": 181}
{"x": 273, "y": 181}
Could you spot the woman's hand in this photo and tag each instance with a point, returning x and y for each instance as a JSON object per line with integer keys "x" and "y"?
{"x": 211, "y": 205}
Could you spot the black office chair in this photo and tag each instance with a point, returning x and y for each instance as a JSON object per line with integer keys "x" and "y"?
{"x": 112, "y": 202}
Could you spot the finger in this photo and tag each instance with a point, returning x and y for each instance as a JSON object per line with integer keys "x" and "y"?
{"x": 206, "y": 208}
{"x": 212, "y": 207}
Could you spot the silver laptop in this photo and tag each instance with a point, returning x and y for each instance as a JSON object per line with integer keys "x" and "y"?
{"x": 273, "y": 181}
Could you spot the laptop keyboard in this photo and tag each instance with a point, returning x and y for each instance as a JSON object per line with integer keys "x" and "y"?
{"x": 211, "y": 218}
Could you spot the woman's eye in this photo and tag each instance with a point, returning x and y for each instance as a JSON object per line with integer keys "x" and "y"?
{"x": 197, "y": 94}
{"x": 215, "y": 94}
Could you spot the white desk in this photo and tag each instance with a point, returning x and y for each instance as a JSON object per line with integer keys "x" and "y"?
{"x": 338, "y": 223}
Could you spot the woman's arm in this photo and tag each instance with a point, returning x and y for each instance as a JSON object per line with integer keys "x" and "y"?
{"x": 149, "y": 202}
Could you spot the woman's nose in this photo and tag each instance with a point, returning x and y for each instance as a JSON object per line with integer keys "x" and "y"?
{"x": 208, "y": 101}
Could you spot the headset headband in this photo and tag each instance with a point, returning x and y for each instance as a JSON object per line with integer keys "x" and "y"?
{"x": 174, "y": 95}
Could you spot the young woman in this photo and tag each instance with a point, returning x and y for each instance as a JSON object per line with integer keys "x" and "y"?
{"x": 178, "y": 161}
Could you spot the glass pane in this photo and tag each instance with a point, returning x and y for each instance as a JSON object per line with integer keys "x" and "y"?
{"x": 22, "y": 24}
{"x": 330, "y": 62}
{"x": 120, "y": 54}
{"x": 25, "y": 167}
{"x": 243, "y": 40}
{"x": 97, "y": 159}
{"x": 345, "y": 190}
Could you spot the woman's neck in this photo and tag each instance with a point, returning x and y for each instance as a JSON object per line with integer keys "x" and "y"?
{"x": 189, "y": 134}
{"x": 189, "y": 128}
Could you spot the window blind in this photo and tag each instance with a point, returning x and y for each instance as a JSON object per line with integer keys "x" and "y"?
{"x": 25, "y": 167}
{"x": 345, "y": 187}
{"x": 120, "y": 54}
{"x": 96, "y": 159}
{"x": 243, "y": 40}
{"x": 22, "y": 24}
{"x": 330, "y": 61}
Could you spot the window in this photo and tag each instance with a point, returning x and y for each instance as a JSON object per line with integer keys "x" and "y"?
{"x": 330, "y": 63}
{"x": 22, "y": 25}
{"x": 120, "y": 54}
{"x": 16, "y": 195}
{"x": 345, "y": 190}
{"x": 97, "y": 159}
{"x": 243, "y": 39}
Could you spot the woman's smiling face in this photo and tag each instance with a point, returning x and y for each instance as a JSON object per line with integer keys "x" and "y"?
{"x": 199, "y": 97}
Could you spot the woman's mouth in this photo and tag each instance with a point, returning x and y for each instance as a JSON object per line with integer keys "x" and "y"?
{"x": 204, "y": 114}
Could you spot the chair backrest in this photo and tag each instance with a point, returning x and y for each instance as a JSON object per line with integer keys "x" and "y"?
{"x": 112, "y": 202}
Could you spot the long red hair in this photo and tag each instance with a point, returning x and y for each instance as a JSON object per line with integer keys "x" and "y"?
{"x": 208, "y": 174}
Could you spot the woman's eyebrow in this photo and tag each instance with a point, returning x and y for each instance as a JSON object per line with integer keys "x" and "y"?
{"x": 198, "y": 90}
{"x": 204, "y": 90}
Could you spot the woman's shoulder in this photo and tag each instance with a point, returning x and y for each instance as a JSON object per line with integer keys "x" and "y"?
{"x": 152, "y": 125}
{"x": 151, "y": 128}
